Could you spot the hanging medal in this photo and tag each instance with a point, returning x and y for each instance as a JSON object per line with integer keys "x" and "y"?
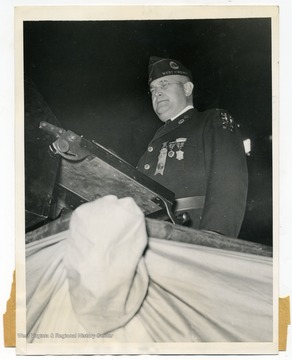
{"x": 180, "y": 142}
{"x": 171, "y": 146}
{"x": 161, "y": 160}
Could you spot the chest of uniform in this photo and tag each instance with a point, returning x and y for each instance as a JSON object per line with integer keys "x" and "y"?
{"x": 176, "y": 145}
{"x": 175, "y": 151}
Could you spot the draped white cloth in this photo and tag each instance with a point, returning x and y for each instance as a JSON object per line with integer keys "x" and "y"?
{"x": 104, "y": 280}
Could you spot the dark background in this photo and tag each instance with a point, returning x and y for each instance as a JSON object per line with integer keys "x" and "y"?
{"x": 93, "y": 75}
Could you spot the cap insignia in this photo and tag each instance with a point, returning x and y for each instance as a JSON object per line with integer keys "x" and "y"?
{"x": 173, "y": 65}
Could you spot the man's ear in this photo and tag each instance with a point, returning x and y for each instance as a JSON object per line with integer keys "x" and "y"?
{"x": 188, "y": 88}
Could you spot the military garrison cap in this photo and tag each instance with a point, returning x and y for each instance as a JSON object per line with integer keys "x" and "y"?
{"x": 159, "y": 67}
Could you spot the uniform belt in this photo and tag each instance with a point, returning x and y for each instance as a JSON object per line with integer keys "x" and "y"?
{"x": 188, "y": 203}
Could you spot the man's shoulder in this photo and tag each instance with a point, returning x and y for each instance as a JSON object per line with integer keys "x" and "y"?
{"x": 213, "y": 112}
{"x": 218, "y": 118}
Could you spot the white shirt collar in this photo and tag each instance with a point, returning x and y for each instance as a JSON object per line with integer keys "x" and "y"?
{"x": 181, "y": 112}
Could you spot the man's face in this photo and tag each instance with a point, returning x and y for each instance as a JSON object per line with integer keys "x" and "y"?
{"x": 168, "y": 96}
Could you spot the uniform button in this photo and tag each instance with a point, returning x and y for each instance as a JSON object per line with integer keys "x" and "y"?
{"x": 146, "y": 166}
{"x": 181, "y": 121}
{"x": 150, "y": 149}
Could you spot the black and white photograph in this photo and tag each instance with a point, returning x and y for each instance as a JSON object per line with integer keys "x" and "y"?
{"x": 148, "y": 148}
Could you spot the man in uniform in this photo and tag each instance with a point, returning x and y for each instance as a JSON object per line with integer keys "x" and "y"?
{"x": 198, "y": 155}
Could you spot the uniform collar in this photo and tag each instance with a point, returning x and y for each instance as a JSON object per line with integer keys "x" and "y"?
{"x": 180, "y": 119}
{"x": 182, "y": 112}
{"x": 171, "y": 125}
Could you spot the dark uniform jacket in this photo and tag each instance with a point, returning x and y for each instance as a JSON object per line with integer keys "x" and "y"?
{"x": 200, "y": 155}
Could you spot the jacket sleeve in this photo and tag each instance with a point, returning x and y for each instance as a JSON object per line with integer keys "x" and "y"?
{"x": 227, "y": 177}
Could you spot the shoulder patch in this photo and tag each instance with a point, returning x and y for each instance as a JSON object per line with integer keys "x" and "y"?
{"x": 227, "y": 121}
